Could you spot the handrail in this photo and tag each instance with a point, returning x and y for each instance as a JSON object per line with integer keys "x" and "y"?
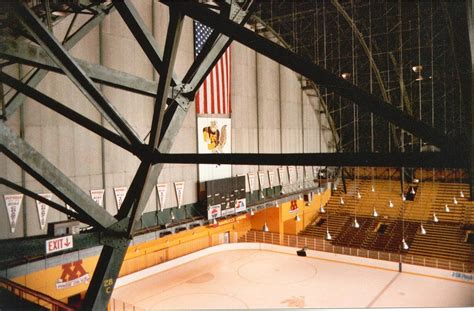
{"x": 319, "y": 244}
{"x": 12, "y": 286}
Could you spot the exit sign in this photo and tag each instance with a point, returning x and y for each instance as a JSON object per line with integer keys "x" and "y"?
{"x": 58, "y": 244}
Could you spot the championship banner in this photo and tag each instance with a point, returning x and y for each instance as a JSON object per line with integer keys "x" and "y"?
{"x": 179, "y": 190}
{"x": 13, "y": 205}
{"x": 240, "y": 205}
{"x": 98, "y": 196}
{"x": 271, "y": 178}
{"x": 300, "y": 173}
{"x": 291, "y": 174}
{"x": 43, "y": 209}
{"x": 161, "y": 189}
{"x": 214, "y": 136}
{"x": 281, "y": 175}
{"x": 252, "y": 177}
{"x": 120, "y": 193}
{"x": 293, "y": 207}
{"x": 261, "y": 180}
{"x": 308, "y": 172}
{"x": 214, "y": 211}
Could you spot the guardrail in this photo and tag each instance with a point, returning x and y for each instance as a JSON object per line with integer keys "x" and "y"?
{"x": 34, "y": 296}
{"x": 319, "y": 244}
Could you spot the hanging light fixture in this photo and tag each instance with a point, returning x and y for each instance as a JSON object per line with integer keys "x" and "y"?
{"x": 276, "y": 204}
{"x": 359, "y": 196}
{"x": 372, "y": 188}
{"x": 342, "y": 201}
{"x": 455, "y": 201}
{"x": 390, "y": 203}
{"x": 328, "y": 236}
{"x": 461, "y": 194}
{"x": 261, "y": 195}
{"x": 321, "y": 209}
{"x": 412, "y": 190}
{"x": 404, "y": 244}
{"x": 446, "y": 208}
{"x": 355, "y": 224}
{"x": 265, "y": 227}
{"x": 297, "y": 218}
{"x": 172, "y": 215}
{"x": 374, "y": 213}
{"x": 404, "y": 198}
{"x": 334, "y": 187}
{"x": 422, "y": 230}
{"x": 214, "y": 221}
{"x": 252, "y": 212}
{"x": 346, "y": 75}
{"x": 418, "y": 69}
{"x": 435, "y": 218}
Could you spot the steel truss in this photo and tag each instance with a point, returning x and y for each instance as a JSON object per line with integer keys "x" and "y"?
{"x": 172, "y": 100}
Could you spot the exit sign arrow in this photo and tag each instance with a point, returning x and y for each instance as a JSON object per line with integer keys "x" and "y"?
{"x": 59, "y": 244}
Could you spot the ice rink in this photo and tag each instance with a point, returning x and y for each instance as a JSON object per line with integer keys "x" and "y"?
{"x": 250, "y": 279}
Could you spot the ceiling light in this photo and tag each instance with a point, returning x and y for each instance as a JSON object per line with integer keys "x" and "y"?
{"x": 435, "y": 218}
{"x": 422, "y": 230}
{"x": 355, "y": 224}
{"x": 405, "y": 245}
{"x": 390, "y": 203}
{"x": 297, "y": 217}
{"x": 372, "y": 188}
{"x": 172, "y": 215}
{"x": 455, "y": 201}
{"x": 342, "y": 201}
{"x": 265, "y": 228}
{"x": 461, "y": 194}
{"x": 252, "y": 212}
{"x": 404, "y": 198}
{"x": 276, "y": 204}
{"x": 446, "y": 208}
{"x": 358, "y": 195}
{"x": 328, "y": 236}
{"x": 374, "y": 213}
{"x": 346, "y": 75}
{"x": 321, "y": 209}
{"x": 214, "y": 221}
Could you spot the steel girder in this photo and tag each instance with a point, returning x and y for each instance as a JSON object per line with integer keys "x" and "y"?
{"x": 318, "y": 75}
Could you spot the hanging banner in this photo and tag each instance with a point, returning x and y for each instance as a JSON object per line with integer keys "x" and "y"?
{"x": 214, "y": 136}
{"x": 179, "y": 189}
{"x": 98, "y": 196}
{"x": 308, "y": 172}
{"x": 281, "y": 175}
{"x": 162, "y": 189}
{"x": 240, "y": 205}
{"x": 120, "y": 193}
{"x": 13, "y": 205}
{"x": 43, "y": 209}
{"x": 271, "y": 179}
{"x": 293, "y": 207}
{"x": 300, "y": 173}
{"x": 291, "y": 174}
{"x": 252, "y": 177}
{"x": 261, "y": 180}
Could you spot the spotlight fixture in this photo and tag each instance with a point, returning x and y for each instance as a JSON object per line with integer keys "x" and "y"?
{"x": 390, "y": 203}
{"x": 342, "y": 201}
{"x": 374, "y": 213}
{"x": 446, "y": 208}
{"x": 321, "y": 209}
{"x": 265, "y": 228}
{"x": 435, "y": 218}
{"x": 346, "y": 75}
{"x": 455, "y": 201}
{"x": 405, "y": 245}
{"x": 422, "y": 230}
{"x": 418, "y": 69}
{"x": 328, "y": 236}
{"x": 461, "y": 194}
{"x": 297, "y": 218}
{"x": 355, "y": 224}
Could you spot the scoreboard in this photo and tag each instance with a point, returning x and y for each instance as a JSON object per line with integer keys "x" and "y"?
{"x": 225, "y": 196}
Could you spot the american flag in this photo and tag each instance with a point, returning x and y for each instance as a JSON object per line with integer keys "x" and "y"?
{"x": 214, "y": 95}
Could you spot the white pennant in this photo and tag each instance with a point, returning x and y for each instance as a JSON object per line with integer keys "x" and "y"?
{"x": 179, "y": 189}
{"x": 120, "y": 193}
{"x": 43, "y": 209}
{"x": 13, "y": 205}
{"x": 261, "y": 180}
{"x": 162, "y": 189}
{"x": 251, "y": 177}
{"x": 98, "y": 196}
{"x": 271, "y": 178}
{"x": 281, "y": 171}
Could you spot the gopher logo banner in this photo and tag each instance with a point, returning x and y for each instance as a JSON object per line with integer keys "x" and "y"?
{"x": 214, "y": 136}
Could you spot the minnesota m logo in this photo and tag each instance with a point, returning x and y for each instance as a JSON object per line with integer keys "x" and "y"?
{"x": 72, "y": 270}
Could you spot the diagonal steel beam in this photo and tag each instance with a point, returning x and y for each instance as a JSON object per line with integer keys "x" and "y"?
{"x": 405, "y": 159}
{"x": 74, "y": 72}
{"x": 317, "y": 74}
{"x": 38, "y": 74}
{"x": 37, "y": 197}
{"x": 52, "y": 178}
{"x": 26, "y": 53}
{"x": 143, "y": 36}
{"x": 66, "y": 112}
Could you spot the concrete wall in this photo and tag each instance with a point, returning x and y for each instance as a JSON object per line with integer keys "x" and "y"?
{"x": 270, "y": 114}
